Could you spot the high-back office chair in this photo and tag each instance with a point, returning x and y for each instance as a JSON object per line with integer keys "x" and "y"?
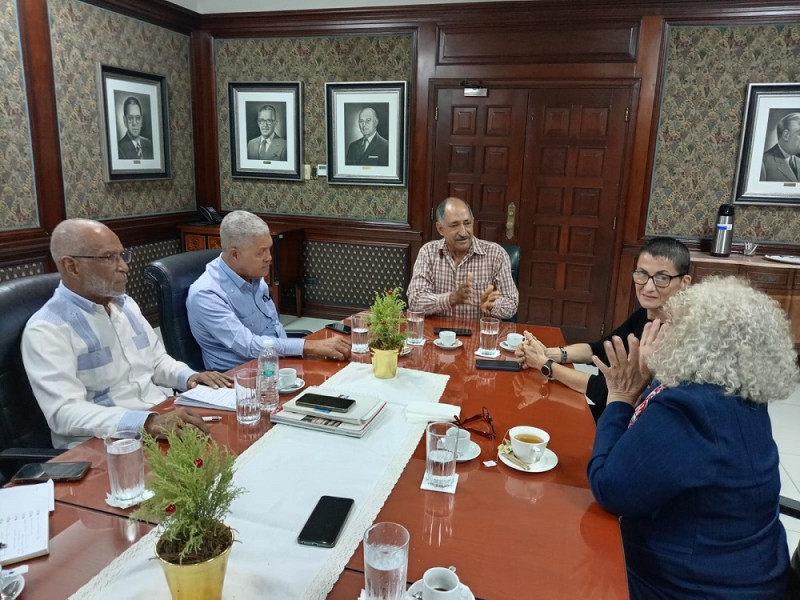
{"x": 24, "y": 433}
{"x": 791, "y": 507}
{"x": 172, "y": 276}
{"x": 514, "y": 255}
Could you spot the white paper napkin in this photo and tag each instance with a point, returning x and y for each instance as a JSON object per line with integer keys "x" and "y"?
{"x": 450, "y": 489}
{"x": 426, "y": 411}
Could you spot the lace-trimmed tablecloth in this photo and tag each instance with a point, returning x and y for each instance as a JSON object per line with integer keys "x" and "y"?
{"x": 285, "y": 473}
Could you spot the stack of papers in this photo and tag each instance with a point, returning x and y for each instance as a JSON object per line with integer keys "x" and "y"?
{"x": 204, "y": 396}
{"x": 24, "y": 525}
{"x": 355, "y": 422}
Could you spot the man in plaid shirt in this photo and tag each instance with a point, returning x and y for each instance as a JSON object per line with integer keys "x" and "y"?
{"x": 460, "y": 275}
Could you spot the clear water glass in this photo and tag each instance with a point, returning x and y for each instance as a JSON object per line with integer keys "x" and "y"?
{"x": 441, "y": 441}
{"x": 386, "y": 561}
{"x": 125, "y": 458}
{"x": 415, "y": 327}
{"x": 248, "y": 400}
{"x": 490, "y": 331}
{"x": 359, "y": 333}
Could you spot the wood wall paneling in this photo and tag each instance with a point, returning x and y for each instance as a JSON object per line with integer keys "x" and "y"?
{"x": 204, "y": 117}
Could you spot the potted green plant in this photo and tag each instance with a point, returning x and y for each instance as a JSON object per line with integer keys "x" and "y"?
{"x": 192, "y": 485}
{"x": 385, "y": 338}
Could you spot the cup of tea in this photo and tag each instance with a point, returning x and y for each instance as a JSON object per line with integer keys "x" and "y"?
{"x": 447, "y": 338}
{"x": 528, "y": 443}
{"x": 514, "y": 339}
{"x": 462, "y": 444}
{"x": 287, "y": 378}
{"x": 439, "y": 583}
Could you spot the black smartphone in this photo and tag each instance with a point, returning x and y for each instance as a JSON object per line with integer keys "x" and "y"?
{"x": 457, "y": 330}
{"x": 332, "y": 403}
{"x": 325, "y": 522}
{"x": 340, "y": 327}
{"x": 57, "y": 471}
{"x": 497, "y": 365}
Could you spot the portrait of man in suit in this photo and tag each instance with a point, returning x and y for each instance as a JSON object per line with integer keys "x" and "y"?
{"x": 371, "y": 148}
{"x": 133, "y": 145}
{"x": 780, "y": 162}
{"x": 268, "y": 145}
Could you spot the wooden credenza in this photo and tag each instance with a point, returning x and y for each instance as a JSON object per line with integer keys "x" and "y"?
{"x": 779, "y": 280}
{"x": 286, "y": 272}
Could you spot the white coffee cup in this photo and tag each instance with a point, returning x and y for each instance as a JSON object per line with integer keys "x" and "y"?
{"x": 447, "y": 338}
{"x": 462, "y": 445}
{"x": 287, "y": 378}
{"x": 514, "y": 339}
{"x": 439, "y": 583}
{"x": 528, "y": 449}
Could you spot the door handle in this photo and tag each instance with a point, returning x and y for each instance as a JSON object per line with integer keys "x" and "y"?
{"x": 511, "y": 214}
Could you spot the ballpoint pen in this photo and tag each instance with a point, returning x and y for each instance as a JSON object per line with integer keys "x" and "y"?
{"x": 212, "y": 419}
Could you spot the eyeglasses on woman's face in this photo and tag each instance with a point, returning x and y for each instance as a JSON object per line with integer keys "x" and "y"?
{"x": 660, "y": 280}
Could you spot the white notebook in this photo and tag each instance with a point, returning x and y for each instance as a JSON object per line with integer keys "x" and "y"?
{"x": 24, "y": 521}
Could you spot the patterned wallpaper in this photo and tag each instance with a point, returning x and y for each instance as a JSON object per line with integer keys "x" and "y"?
{"x": 705, "y": 84}
{"x": 314, "y": 61}
{"x": 82, "y": 36}
{"x": 17, "y": 188}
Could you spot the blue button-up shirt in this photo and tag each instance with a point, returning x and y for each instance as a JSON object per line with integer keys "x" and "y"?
{"x": 231, "y": 318}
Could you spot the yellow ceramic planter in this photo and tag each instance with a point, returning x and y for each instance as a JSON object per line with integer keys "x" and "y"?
{"x": 384, "y": 363}
{"x": 201, "y": 581}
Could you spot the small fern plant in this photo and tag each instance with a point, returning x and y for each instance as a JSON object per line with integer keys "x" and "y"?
{"x": 192, "y": 485}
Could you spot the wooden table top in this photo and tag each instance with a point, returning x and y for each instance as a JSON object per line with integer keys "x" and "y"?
{"x": 507, "y": 532}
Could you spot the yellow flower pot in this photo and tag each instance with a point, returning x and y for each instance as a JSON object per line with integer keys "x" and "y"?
{"x": 384, "y": 363}
{"x": 201, "y": 581}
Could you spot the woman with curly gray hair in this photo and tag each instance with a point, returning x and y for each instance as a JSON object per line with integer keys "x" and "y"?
{"x": 690, "y": 465}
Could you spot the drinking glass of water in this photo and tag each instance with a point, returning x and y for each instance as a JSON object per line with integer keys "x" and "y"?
{"x": 441, "y": 441}
{"x": 490, "y": 330}
{"x": 125, "y": 459}
{"x": 415, "y": 327}
{"x": 359, "y": 333}
{"x": 248, "y": 401}
{"x": 386, "y": 561}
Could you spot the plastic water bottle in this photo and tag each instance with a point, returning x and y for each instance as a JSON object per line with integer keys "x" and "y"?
{"x": 268, "y": 377}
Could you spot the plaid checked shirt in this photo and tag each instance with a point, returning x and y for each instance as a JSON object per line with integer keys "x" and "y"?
{"x": 436, "y": 275}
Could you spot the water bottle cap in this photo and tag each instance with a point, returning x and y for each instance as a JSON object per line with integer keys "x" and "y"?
{"x": 269, "y": 343}
{"x": 726, "y": 210}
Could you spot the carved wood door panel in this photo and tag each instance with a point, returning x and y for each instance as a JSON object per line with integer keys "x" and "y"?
{"x": 541, "y": 168}
{"x": 572, "y": 191}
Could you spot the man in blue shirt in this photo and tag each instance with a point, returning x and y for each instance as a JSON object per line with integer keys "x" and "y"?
{"x": 230, "y": 310}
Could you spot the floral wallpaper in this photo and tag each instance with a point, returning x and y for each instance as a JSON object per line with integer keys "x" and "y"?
{"x": 705, "y": 84}
{"x": 83, "y": 36}
{"x": 314, "y": 61}
{"x": 18, "y": 207}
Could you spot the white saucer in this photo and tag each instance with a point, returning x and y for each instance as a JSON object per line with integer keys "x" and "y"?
{"x": 416, "y": 588}
{"x": 438, "y": 343}
{"x": 299, "y": 384}
{"x": 494, "y": 354}
{"x": 548, "y": 461}
{"x": 504, "y": 345}
{"x": 473, "y": 451}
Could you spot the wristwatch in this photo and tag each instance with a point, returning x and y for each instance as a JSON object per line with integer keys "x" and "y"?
{"x": 547, "y": 369}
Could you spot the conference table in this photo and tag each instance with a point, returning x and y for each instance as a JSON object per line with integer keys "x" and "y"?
{"x": 510, "y": 534}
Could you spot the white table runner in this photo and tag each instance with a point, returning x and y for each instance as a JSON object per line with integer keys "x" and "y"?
{"x": 285, "y": 473}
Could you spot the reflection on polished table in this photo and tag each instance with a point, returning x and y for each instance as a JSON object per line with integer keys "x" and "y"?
{"x": 510, "y": 534}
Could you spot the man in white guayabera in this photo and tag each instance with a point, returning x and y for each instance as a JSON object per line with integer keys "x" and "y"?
{"x": 94, "y": 362}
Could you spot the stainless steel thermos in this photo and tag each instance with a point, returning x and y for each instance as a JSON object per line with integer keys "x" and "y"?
{"x": 723, "y": 235}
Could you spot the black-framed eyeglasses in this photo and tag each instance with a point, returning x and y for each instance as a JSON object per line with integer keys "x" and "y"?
{"x": 109, "y": 258}
{"x": 483, "y": 424}
{"x": 661, "y": 280}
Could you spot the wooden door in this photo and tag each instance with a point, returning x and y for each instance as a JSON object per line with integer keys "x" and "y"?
{"x": 571, "y": 195}
{"x": 548, "y": 163}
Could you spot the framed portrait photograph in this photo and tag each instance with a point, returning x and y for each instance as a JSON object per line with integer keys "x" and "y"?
{"x": 266, "y": 129}
{"x": 134, "y": 124}
{"x": 367, "y": 132}
{"x": 768, "y": 171}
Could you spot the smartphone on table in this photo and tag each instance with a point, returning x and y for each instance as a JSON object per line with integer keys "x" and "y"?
{"x": 325, "y": 522}
{"x": 339, "y": 327}
{"x": 332, "y": 403}
{"x": 497, "y": 365}
{"x": 57, "y": 471}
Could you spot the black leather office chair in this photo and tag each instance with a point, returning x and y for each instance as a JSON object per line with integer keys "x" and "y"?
{"x": 24, "y": 433}
{"x": 172, "y": 276}
{"x": 791, "y": 507}
{"x": 513, "y": 254}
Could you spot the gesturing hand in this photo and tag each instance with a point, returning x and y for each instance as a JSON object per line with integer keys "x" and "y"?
{"x": 463, "y": 293}
{"x": 488, "y": 298}
{"x": 624, "y": 377}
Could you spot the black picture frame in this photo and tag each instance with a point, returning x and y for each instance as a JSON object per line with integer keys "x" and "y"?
{"x": 129, "y": 153}
{"x": 282, "y": 157}
{"x": 764, "y": 174}
{"x": 384, "y": 160}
